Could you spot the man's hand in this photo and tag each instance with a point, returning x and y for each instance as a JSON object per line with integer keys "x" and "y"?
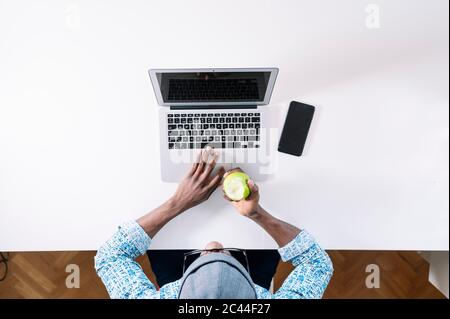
{"x": 246, "y": 207}
{"x": 195, "y": 188}
{"x": 198, "y": 184}
{"x": 280, "y": 231}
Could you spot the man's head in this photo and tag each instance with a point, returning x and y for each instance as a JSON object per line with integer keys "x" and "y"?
{"x": 213, "y": 247}
{"x": 216, "y": 275}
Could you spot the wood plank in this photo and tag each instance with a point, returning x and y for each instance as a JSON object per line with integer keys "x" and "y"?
{"x": 43, "y": 275}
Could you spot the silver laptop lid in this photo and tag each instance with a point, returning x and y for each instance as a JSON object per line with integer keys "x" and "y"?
{"x": 221, "y": 86}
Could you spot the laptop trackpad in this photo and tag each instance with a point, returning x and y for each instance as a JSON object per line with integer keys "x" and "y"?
{"x": 227, "y": 158}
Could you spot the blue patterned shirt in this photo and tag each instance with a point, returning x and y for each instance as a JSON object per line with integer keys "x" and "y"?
{"x": 124, "y": 277}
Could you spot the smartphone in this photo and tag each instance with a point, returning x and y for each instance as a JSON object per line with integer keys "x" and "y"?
{"x": 296, "y": 128}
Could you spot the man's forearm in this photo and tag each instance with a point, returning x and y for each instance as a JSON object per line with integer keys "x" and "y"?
{"x": 157, "y": 218}
{"x": 280, "y": 231}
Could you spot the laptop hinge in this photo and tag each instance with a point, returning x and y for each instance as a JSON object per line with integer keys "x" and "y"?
{"x": 211, "y": 107}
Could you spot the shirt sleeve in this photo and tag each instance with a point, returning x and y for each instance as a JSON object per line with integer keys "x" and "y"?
{"x": 122, "y": 276}
{"x": 313, "y": 269}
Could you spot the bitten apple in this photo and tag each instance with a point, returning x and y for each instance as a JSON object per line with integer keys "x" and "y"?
{"x": 235, "y": 186}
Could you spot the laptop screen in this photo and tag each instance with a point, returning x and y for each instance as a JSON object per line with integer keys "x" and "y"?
{"x": 215, "y": 87}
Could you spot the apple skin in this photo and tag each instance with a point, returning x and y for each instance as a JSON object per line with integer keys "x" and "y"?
{"x": 237, "y": 177}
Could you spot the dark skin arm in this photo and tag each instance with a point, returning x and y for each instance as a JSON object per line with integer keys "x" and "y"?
{"x": 198, "y": 185}
{"x": 195, "y": 188}
{"x": 279, "y": 230}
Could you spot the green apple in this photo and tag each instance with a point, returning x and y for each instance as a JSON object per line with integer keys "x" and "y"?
{"x": 235, "y": 186}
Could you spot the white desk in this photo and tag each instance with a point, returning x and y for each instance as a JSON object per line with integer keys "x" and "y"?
{"x": 78, "y": 119}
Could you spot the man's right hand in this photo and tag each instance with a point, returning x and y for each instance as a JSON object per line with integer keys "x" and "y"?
{"x": 199, "y": 183}
{"x": 248, "y": 207}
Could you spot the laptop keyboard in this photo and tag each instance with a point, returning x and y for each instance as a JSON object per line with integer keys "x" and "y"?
{"x": 218, "y": 130}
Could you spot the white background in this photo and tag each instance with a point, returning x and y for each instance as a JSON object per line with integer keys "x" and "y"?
{"x": 79, "y": 134}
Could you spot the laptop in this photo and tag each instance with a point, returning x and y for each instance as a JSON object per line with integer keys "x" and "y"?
{"x": 221, "y": 108}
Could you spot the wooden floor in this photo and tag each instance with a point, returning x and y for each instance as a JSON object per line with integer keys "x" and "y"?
{"x": 402, "y": 275}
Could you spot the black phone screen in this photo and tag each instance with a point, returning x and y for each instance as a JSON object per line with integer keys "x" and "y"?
{"x": 296, "y": 128}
